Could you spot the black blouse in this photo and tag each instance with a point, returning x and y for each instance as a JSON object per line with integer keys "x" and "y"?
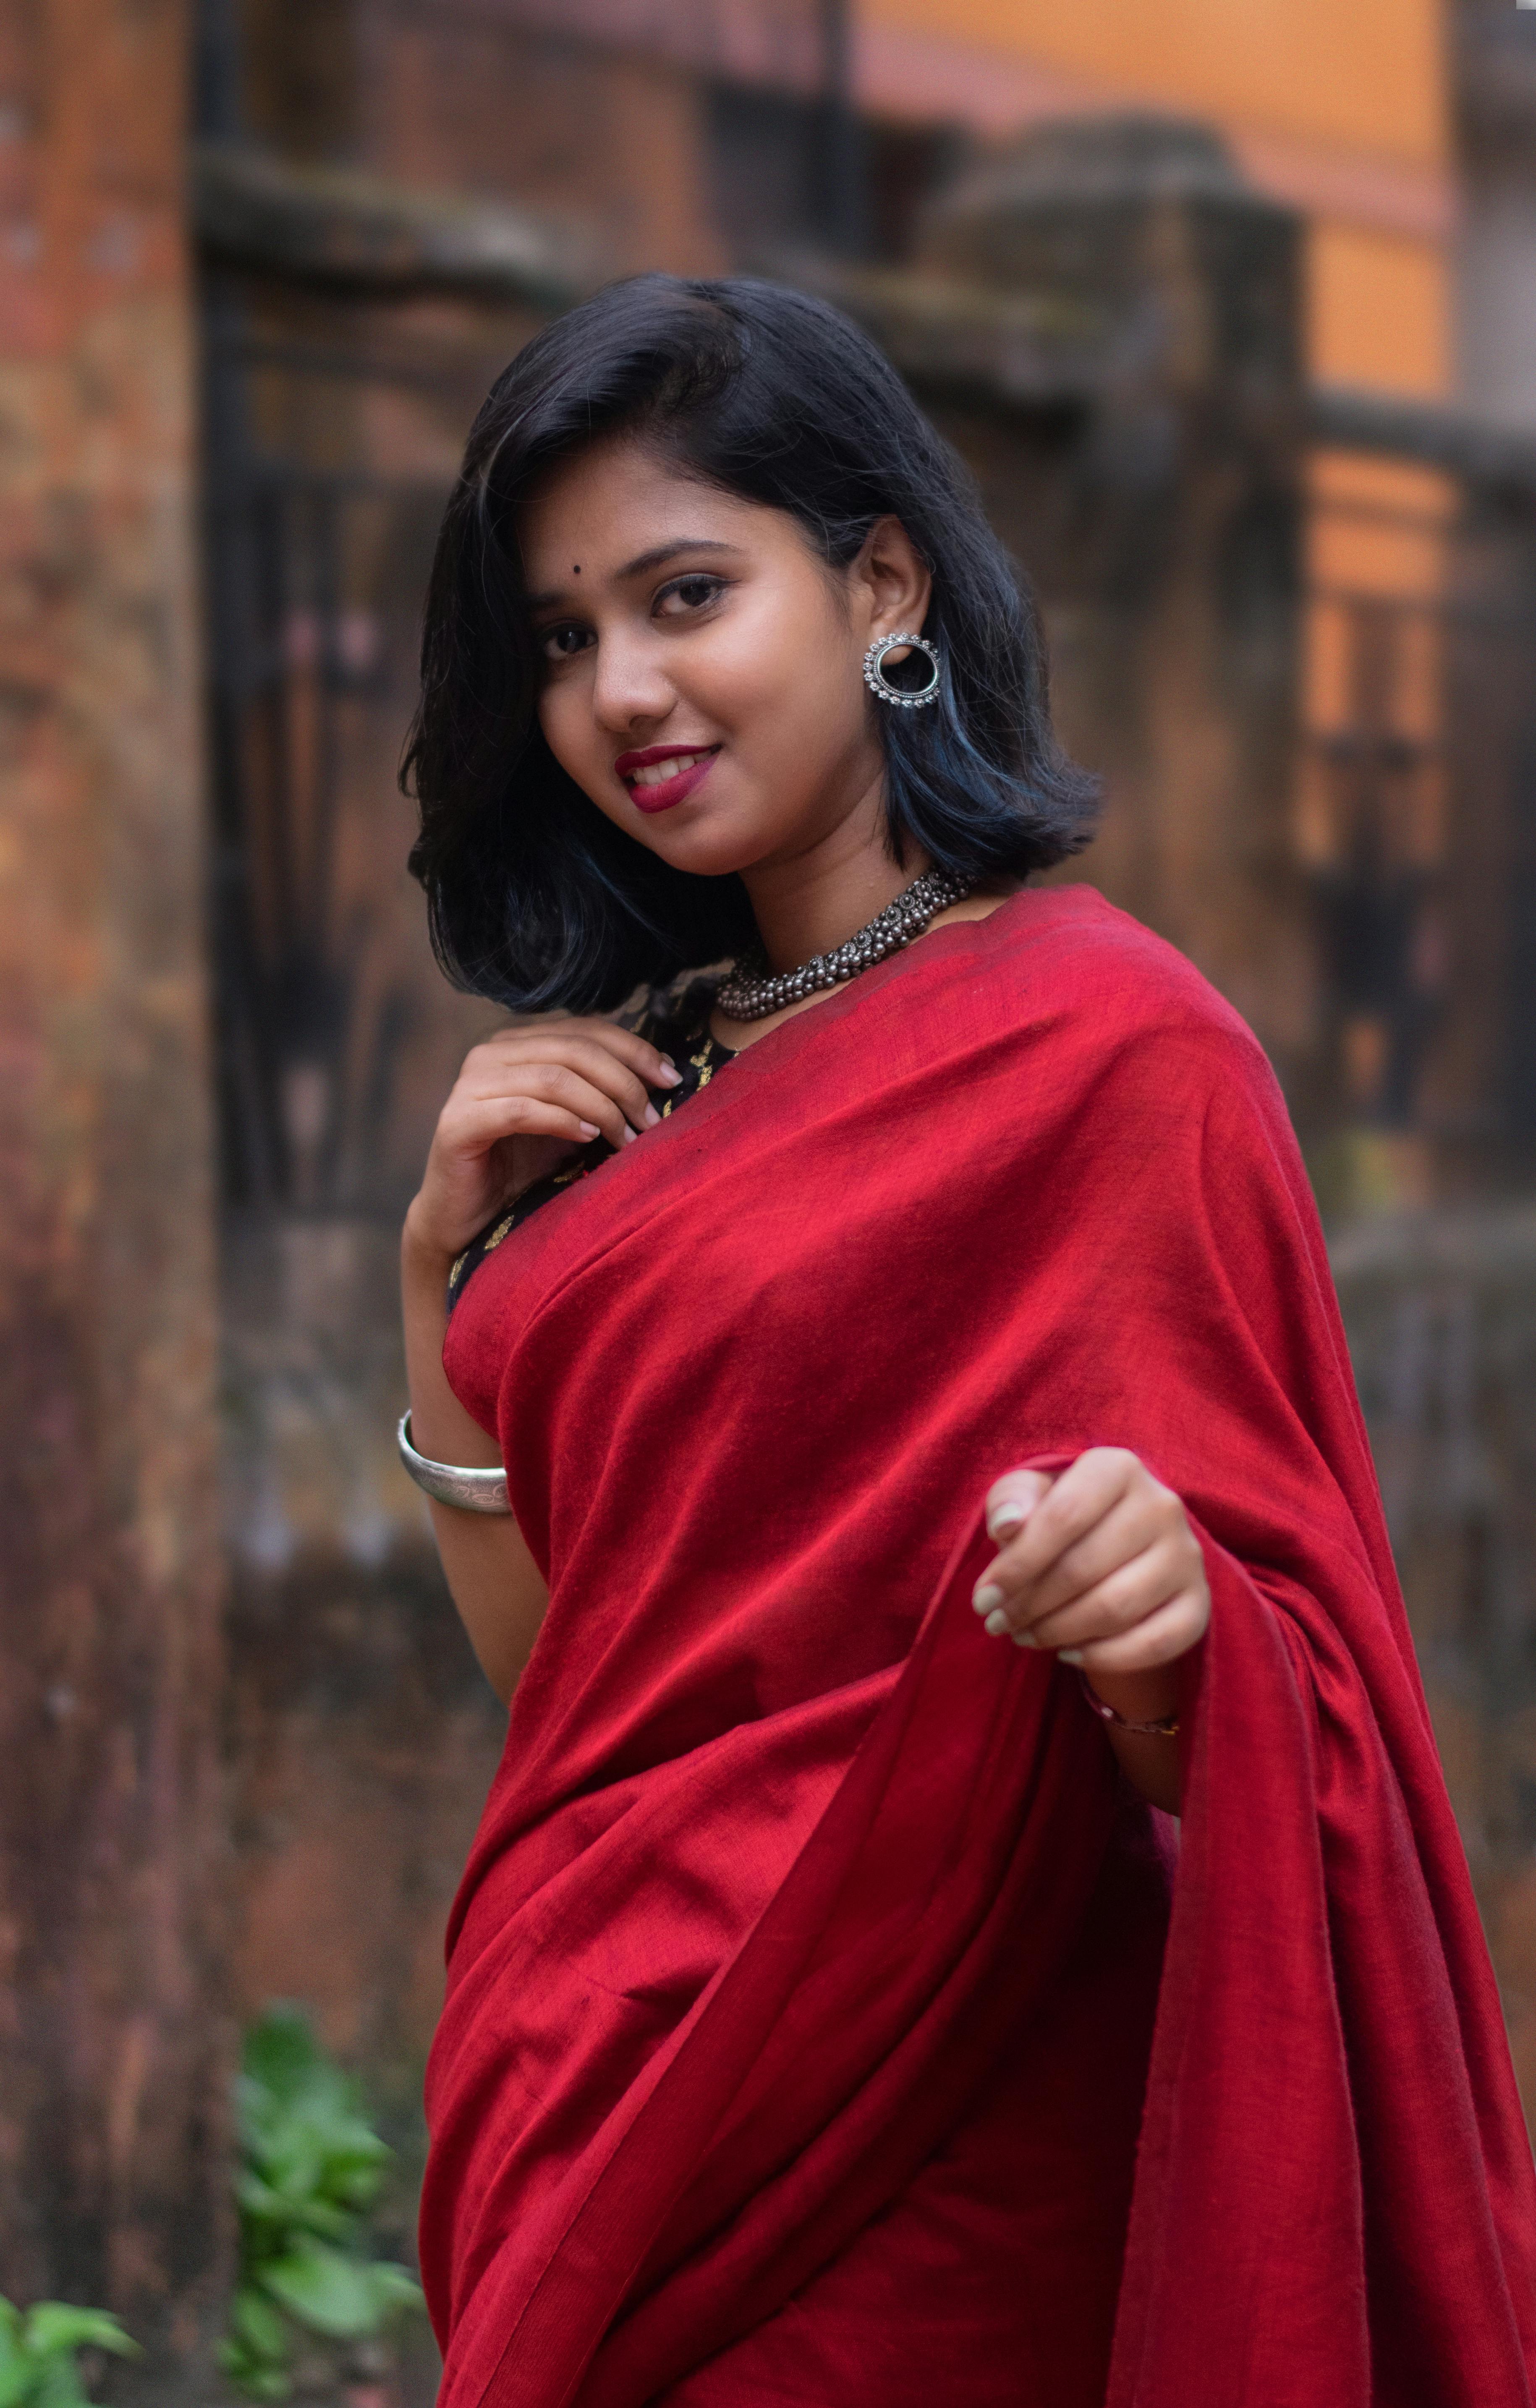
{"x": 677, "y": 1024}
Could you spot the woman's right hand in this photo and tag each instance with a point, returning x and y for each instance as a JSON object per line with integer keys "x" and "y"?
{"x": 523, "y": 1100}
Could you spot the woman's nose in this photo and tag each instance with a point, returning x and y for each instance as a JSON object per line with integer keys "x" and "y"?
{"x": 629, "y": 685}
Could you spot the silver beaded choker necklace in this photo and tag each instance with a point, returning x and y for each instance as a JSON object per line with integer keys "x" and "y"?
{"x": 752, "y": 990}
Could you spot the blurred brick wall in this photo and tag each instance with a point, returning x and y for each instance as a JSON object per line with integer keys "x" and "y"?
{"x": 113, "y": 2057}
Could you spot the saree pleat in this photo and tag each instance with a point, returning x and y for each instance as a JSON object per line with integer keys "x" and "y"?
{"x": 825, "y": 2021}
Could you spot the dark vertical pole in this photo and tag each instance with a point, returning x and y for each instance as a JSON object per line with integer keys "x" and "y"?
{"x": 218, "y": 110}
{"x": 844, "y": 198}
{"x": 235, "y": 527}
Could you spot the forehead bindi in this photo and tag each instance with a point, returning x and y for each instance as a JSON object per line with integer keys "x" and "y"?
{"x": 599, "y": 514}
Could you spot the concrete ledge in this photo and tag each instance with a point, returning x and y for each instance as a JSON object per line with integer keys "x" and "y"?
{"x": 1352, "y": 419}
{"x": 332, "y": 226}
{"x": 336, "y": 227}
{"x": 1039, "y": 350}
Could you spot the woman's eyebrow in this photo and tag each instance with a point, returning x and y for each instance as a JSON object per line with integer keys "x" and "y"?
{"x": 657, "y": 557}
{"x": 662, "y": 552}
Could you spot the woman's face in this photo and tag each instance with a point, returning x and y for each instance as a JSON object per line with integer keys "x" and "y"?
{"x": 702, "y": 667}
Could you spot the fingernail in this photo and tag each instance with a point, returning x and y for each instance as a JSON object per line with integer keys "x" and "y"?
{"x": 1025, "y": 1639}
{"x": 629, "y": 1134}
{"x": 668, "y": 1075}
{"x": 985, "y": 1596}
{"x": 588, "y": 1128}
{"x": 1069, "y": 1655}
{"x": 1006, "y": 1517}
{"x": 653, "y": 1118}
{"x": 996, "y": 1624}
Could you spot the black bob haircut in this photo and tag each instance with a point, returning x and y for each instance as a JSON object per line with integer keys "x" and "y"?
{"x": 535, "y": 898}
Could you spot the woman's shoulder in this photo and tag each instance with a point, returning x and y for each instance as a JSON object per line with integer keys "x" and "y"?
{"x": 1115, "y": 1024}
{"x": 1092, "y": 970}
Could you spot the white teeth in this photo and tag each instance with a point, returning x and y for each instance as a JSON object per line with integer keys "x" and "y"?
{"x": 657, "y": 772}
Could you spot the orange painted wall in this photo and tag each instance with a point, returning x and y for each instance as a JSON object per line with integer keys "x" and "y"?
{"x": 1378, "y": 308}
{"x": 1341, "y": 103}
{"x": 1362, "y": 73}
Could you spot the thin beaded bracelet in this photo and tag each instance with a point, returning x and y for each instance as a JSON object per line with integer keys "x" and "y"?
{"x": 1166, "y": 1727}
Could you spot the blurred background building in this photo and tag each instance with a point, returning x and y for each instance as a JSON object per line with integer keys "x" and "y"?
{"x": 1233, "y": 313}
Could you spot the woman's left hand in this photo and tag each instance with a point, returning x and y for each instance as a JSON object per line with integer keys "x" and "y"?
{"x": 1098, "y": 1564}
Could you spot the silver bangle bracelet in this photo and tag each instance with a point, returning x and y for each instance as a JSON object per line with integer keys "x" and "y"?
{"x": 472, "y": 1487}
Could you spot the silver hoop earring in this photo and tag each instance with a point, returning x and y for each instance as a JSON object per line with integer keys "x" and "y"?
{"x": 875, "y": 678}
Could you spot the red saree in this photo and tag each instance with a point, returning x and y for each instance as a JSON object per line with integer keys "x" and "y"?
{"x": 824, "y": 2024}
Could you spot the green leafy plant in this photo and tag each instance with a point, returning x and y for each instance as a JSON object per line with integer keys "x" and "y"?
{"x": 310, "y": 2168}
{"x": 39, "y": 2364}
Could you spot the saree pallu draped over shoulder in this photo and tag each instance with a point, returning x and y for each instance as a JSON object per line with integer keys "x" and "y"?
{"x": 826, "y": 2022}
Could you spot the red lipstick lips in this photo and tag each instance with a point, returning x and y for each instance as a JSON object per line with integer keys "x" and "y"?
{"x": 660, "y": 794}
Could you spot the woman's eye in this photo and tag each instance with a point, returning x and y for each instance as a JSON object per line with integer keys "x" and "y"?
{"x": 693, "y": 593}
{"x": 564, "y": 643}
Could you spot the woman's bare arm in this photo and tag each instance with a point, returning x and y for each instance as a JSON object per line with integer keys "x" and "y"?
{"x": 523, "y": 1100}
{"x": 494, "y": 1580}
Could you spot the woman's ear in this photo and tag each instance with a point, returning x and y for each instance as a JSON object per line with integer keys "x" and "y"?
{"x": 891, "y": 581}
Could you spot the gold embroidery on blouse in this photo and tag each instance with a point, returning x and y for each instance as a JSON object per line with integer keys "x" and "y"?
{"x": 457, "y": 1273}
{"x": 498, "y": 1233}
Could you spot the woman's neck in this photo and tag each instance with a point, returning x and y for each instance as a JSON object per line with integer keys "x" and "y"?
{"x": 808, "y": 902}
{"x": 739, "y": 1034}
{"x": 814, "y": 908}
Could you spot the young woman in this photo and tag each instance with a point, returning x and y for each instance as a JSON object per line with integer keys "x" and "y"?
{"x": 909, "y": 1356}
